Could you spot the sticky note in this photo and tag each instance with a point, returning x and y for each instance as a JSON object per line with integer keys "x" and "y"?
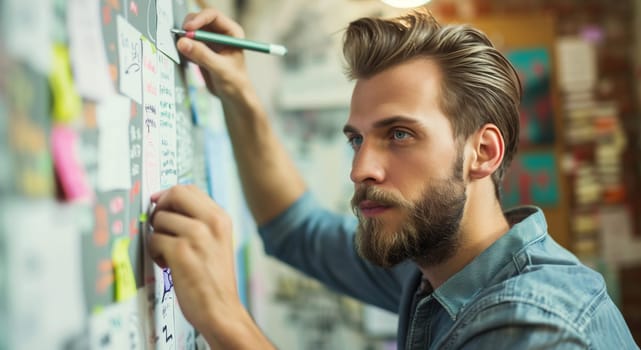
{"x": 167, "y": 122}
{"x": 116, "y": 326}
{"x": 67, "y": 104}
{"x": 113, "y": 143}
{"x": 129, "y": 59}
{"x": 71, "y": 174}
{"x": 43, "y": 277}
{"x": 164, "y": 24}
{"x": 150, "y": 123}
{"x": 123, "y": 271}
{"x": 88, "y": 54}
{"x": 26, "y": 31}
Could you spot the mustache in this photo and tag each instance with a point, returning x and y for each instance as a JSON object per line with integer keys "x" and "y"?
{"x": 378, "y": 195}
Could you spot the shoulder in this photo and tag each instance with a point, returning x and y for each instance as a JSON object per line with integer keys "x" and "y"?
{"x": 542, "y": 304}
{"x": 565, "y": 294}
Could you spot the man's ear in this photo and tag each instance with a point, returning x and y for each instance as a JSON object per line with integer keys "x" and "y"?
{"x": 488, "y": 147}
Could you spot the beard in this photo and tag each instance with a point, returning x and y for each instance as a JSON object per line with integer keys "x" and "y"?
{"x": 429, "y": 235}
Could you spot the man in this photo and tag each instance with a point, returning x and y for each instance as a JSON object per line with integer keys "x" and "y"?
{"x": 434, "y": 124}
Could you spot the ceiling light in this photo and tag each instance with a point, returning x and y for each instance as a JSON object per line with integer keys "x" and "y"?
{"x": 405, "y": 3}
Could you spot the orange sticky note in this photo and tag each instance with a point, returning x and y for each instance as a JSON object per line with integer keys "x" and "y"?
{"x": 124, "y": 273}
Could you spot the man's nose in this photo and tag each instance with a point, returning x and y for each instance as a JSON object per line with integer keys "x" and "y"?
{"x": 368, "y": 165}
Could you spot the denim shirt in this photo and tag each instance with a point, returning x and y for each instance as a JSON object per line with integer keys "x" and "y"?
{"x": 525, "y": 291}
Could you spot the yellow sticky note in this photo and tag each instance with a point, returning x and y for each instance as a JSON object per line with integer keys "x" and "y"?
{"x": 67, "y": 104}
{"x": 125, "y": 282}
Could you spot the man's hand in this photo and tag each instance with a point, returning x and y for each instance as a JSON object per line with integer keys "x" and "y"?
{"x": 270, "y": 180}
{"x": 193, "y": 237}
{"x": 223, "y": 67}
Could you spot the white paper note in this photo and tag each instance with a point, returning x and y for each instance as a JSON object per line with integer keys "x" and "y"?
{"x": 185, "y": 333}
{"x": 167, "y": 122}
{"x": 117, "y": 326}
{"x": 113, "y": 143}
{"x": 27, "y": 26}
{"x": 150, "y": 135}
{"x": 164, "y": 309}
{"x": 129, "y": 60}
{"x": 164, "y": 37}
{"x": 6, "y": 173}
{"x": 184, "y": 145}
{"x": 45, "y": 308}
{"x": 88, "y": 56}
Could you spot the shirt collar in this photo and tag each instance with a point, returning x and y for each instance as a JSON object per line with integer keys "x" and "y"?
{"x": 527, "y": 224}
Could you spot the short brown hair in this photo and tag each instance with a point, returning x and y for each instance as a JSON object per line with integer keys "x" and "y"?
{"x": 479, "y": 84}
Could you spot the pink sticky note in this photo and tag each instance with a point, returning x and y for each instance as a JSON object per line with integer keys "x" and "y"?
{"x": 73, "y": 178}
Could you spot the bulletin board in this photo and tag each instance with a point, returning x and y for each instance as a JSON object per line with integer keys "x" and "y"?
{"x": 97, "y": 112}
{"x": 535, "y": 176}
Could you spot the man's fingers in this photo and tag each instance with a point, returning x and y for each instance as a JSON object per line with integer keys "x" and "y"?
{"x": 154, "y": 197}
{"x": 199, "y": 53}
{"x": 179, "y": 225}
{"x": 187, "y": 200}
{"x": 176, "y": 253}
{"x": 159, "y": 247}
{"x": 212, "y": 20}
{"x": 189, "y": 17}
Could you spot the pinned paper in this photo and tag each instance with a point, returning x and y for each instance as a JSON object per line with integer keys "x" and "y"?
{"x": 129, "y": 60}
{"x": 150, "y": 135}
{"x": 117, "y": 326}
{"x": 113, "y": 143}
{"x": 67, "y": 104}
{"x": 71, "y": 173}
{"x": 184, "y": 145}
{"x": 164, "y": 37}
{"x": 6, "y": 171}
{"x": 44, "y": 273}
{"x": 88, "y": 56}
{"x": 135, "y": 199}
{"x": 185, "y": 333}
{"x": 164, "y": 311}
{"x": 135, "y": 144}
{"x": 125, "y": 281}
{"x": 167, "y": 122}
{"x": 27, "y": 26}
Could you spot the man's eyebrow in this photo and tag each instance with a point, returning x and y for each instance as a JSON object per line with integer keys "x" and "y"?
{"x": 382, "y": 123}
{"x": 348, "y": 129}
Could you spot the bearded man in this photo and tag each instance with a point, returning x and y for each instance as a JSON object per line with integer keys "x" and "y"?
{"x": 434, "y": 123}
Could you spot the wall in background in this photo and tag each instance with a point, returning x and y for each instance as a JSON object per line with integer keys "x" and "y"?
{"x": 96, "y": 113}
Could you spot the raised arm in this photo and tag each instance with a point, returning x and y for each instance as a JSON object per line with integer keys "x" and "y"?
{"x": 270, "y": 181}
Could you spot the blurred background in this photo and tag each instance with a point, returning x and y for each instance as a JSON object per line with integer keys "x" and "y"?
{"x": 70, "y": 214}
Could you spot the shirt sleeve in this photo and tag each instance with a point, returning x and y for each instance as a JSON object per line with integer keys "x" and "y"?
{"x": 526, "y": 324}
{"x": 320, "y": 243}
{"x": 531, "y": 336}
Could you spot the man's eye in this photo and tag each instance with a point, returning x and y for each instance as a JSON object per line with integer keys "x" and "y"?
{"x": 400, "y": 135}
{"x": 355, "y": 141}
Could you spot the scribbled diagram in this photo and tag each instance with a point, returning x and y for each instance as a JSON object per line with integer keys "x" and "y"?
{"x": 168, "y": 283}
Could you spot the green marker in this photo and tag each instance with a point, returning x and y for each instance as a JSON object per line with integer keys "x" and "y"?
{"x": 231, "y": 41}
